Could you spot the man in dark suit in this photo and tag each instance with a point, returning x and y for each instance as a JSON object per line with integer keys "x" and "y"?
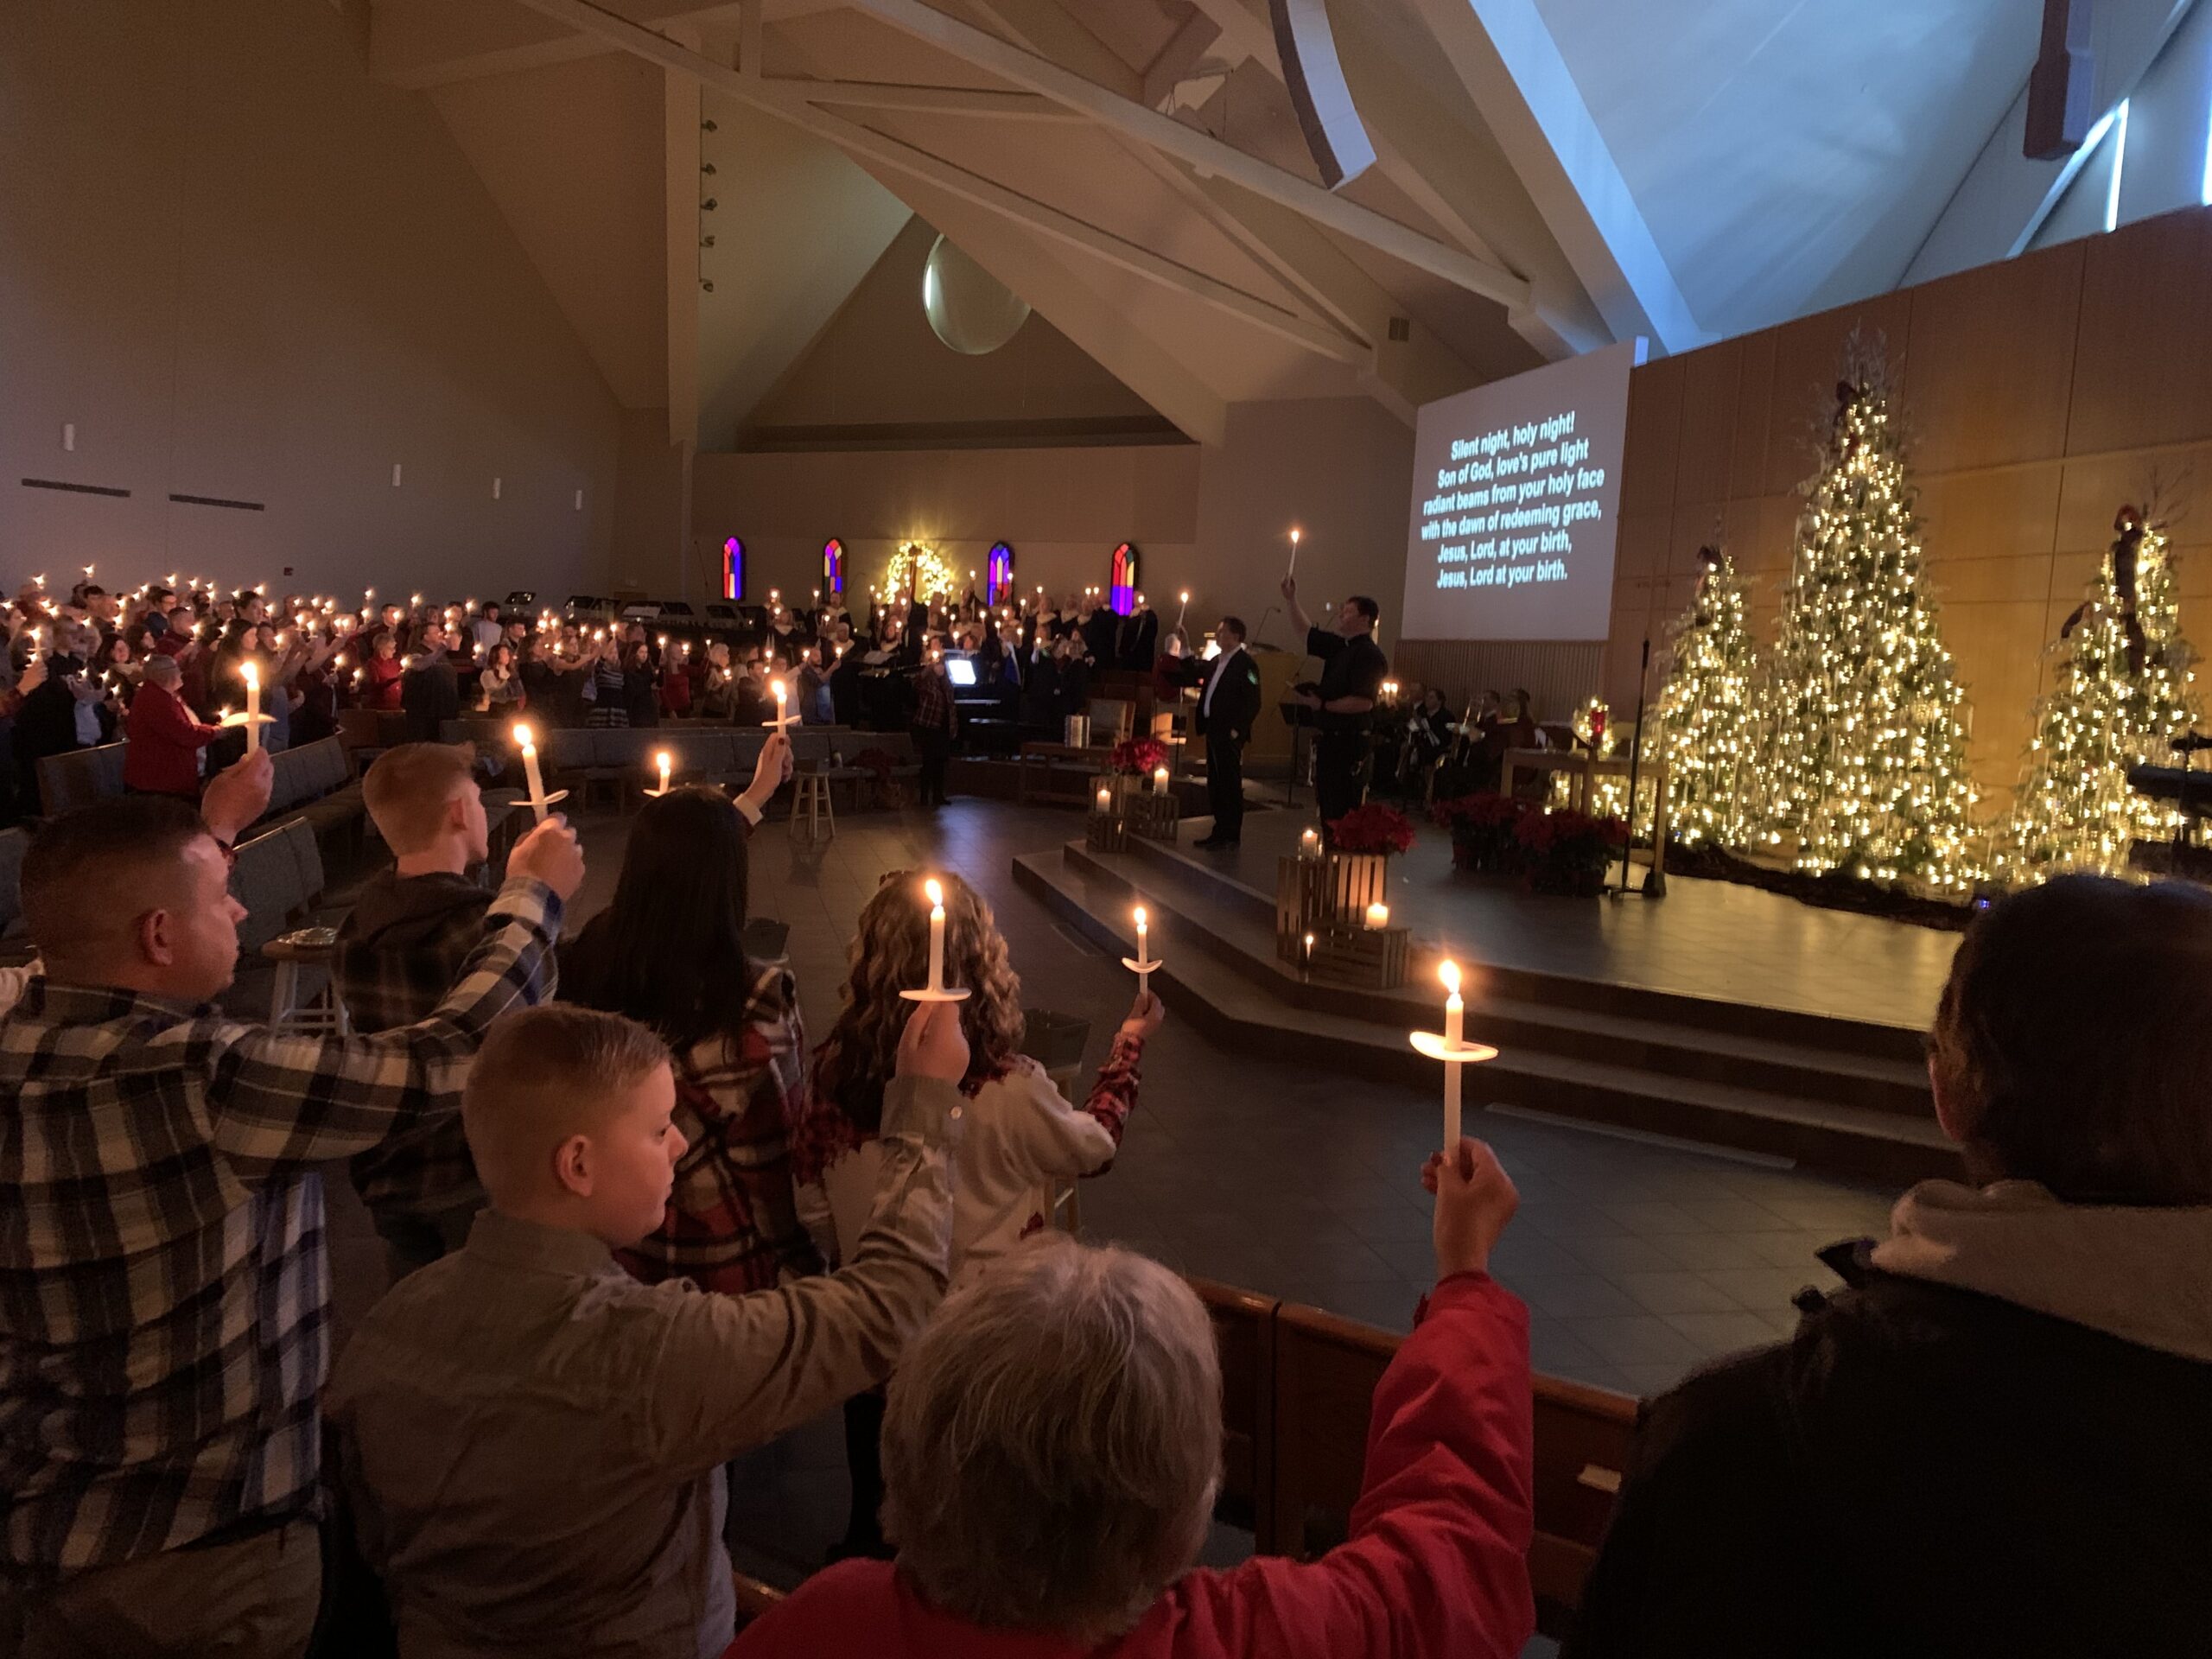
{"x": 1227, "y": 708}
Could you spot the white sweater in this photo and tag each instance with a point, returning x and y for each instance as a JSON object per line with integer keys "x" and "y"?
{"x": 1022, "y": 1136}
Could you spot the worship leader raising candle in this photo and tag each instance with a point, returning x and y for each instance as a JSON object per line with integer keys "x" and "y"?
{"x": 1453, "y": 1050}
{"x": 936, "y": 991}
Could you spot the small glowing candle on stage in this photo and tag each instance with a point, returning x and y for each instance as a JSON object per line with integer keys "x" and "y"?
{"x": 1160, "y": 780}
{"x": 530, "y": 771}
{"x": 252, "y": 676}
{"x": 1309, "y": 950}
{"x": 1378, "y": 914}
{"x": 663, "y": 762}
{"x": 937, "y": 932}
{"x": 1309, "y": 843}
{"x": 1105, "y": 800}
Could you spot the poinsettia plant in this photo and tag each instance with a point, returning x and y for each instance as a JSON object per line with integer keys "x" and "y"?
{"x": 1372, "y": 829}
{"x": 1139, "y": 755}
{"x": 1565, "y": 851}
{"x": 1482, "y": 828}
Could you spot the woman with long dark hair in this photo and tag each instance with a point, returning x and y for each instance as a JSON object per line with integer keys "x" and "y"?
{"x": 668, "y": 952}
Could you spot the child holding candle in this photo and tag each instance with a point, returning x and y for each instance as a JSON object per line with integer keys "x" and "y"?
{"x": 1023, "y": 1135}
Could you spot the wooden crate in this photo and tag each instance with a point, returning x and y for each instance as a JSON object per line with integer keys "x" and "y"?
{"x": 1314, "y": 895}
{"x": 1373, "y": 959}
{"x": 1105, "y": 832}
{"x": 1156, "y": 817}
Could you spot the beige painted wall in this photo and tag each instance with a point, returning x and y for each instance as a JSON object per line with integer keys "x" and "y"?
{"x": 878, "y": 364}
{"x": 1062, "y": 509}
{"x": 1212, "y": 520}
{"x": 243, "y": 269}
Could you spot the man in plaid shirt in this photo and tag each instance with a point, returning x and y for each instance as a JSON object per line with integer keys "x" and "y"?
{"x": 164, "y": 1282}
{"x": 399, "y": 950}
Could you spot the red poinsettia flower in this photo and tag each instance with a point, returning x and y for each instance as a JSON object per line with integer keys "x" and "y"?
{"x": 1372, "y": 829}
{"x": 1139, "y": 755}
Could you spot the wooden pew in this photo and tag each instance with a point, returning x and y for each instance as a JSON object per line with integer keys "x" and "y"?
{"x": 1244, "y": 1328}
{"x": 1325, "y": 1370}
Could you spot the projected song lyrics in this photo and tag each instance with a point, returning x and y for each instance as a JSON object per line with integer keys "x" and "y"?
{"x": 1503, "y": 512}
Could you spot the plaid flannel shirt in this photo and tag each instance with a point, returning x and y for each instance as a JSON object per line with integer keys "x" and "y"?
{"x": 934, "y": 709}
{"x": 732, "y": 1221}
{"x": 164, "y": 1285}
{"x": 385, "y": 983}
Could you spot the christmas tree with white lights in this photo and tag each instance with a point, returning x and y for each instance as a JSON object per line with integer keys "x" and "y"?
{"x": 1862, "y": 766}
{"x": 2122, "y": 690}
{"x": 1706, "y": 712}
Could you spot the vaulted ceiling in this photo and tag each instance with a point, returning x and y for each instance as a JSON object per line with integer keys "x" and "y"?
{"x": 1549, "y": 175}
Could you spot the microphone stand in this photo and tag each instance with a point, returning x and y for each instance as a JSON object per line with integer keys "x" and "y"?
{"x": 1654, "y": 883}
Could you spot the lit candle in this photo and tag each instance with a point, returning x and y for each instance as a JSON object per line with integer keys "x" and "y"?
{"x": 252, "y": 706}
{"x": 1309, "y": 843}
{"x": 530, "y": 771}
{"x": 1160, "y": 780}
{"x": 1293, "y": 550}
{"x": 1105, "y": 800}
{"x": 1185, "y": 597}
{"x": 1454, "y": 1015}
{"x": 663, "y": 762}
{"x": 1378, "y": 914}
{"x": 937, "y": 933}
{"x": 783, "y": 719}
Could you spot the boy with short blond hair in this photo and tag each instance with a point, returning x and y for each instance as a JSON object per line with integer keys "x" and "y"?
{"x": 534, "y": 1439}
{"x": 399, "y": 948}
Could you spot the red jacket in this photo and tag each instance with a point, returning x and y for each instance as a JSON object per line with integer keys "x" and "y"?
{"x": 380, "y": 682}
{"x": 165, "y": 741}
{"x": 1437, "y": 1562}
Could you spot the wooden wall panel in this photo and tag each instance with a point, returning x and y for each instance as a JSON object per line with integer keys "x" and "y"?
{"x": 1707, "y": 447}
{"x": 2143, "y": 362}
{"x": 1993, "y": 357}
{"x": 1808, "y": 359}
{"x": 2041, "y": 394}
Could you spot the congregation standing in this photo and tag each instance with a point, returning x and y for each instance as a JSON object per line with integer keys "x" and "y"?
{"x": 638, "y": 1222}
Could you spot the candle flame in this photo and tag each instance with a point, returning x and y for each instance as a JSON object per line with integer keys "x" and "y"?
{"x": 1141, "y": 921}
{"x": 521, "y": 733}
{"x": 1449, "y": 973}
{"x": 936, "y": 893}
{"x": 249, "y": 673}
{"x": 1293, "y": 533}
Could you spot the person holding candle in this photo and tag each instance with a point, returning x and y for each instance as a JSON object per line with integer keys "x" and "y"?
{"x": 166, "y": 1483}
{"x": 535, "y": 1440}
{"x": 410, "y": 927}
{"x": 1023, "y": 1134}
{"x": 668, "y": 952}
{"x": 163, "y": 756}
{"x": 1053, "y": 1447}
{"x": 1352, "y": 670}
{"x": 380, "y": 674}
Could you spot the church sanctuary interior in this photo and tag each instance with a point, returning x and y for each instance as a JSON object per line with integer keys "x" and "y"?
{"x": 1134, "y": 828}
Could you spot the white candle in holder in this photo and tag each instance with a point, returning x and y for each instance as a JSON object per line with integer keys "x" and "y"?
{"x": 937, "y": 933}
{"x": 529, "y": 771}
{"x": 1378, "y": 914}
{"x": 1455, "y": 1024}
{"x": 1160, "y": 780}
{"x": 252, "y": 674}
{"x": 1309, "y": 843}
{"x": 1105, "y": 800}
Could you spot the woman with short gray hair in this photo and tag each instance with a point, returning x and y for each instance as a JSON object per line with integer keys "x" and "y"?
{"x": 1052, "y": 1450}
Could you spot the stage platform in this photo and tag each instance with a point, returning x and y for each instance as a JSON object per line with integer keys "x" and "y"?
{"x": 1721, "y": 1015}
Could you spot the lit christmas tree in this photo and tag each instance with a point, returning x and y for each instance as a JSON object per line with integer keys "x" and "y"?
{"x": 1705, "y": 712}
{"x": 2121, "y": 691}
{"x": 1863, "y": 754}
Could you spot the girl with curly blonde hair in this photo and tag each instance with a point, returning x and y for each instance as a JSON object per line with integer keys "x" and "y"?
{"x": 1022, "y": 1135}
